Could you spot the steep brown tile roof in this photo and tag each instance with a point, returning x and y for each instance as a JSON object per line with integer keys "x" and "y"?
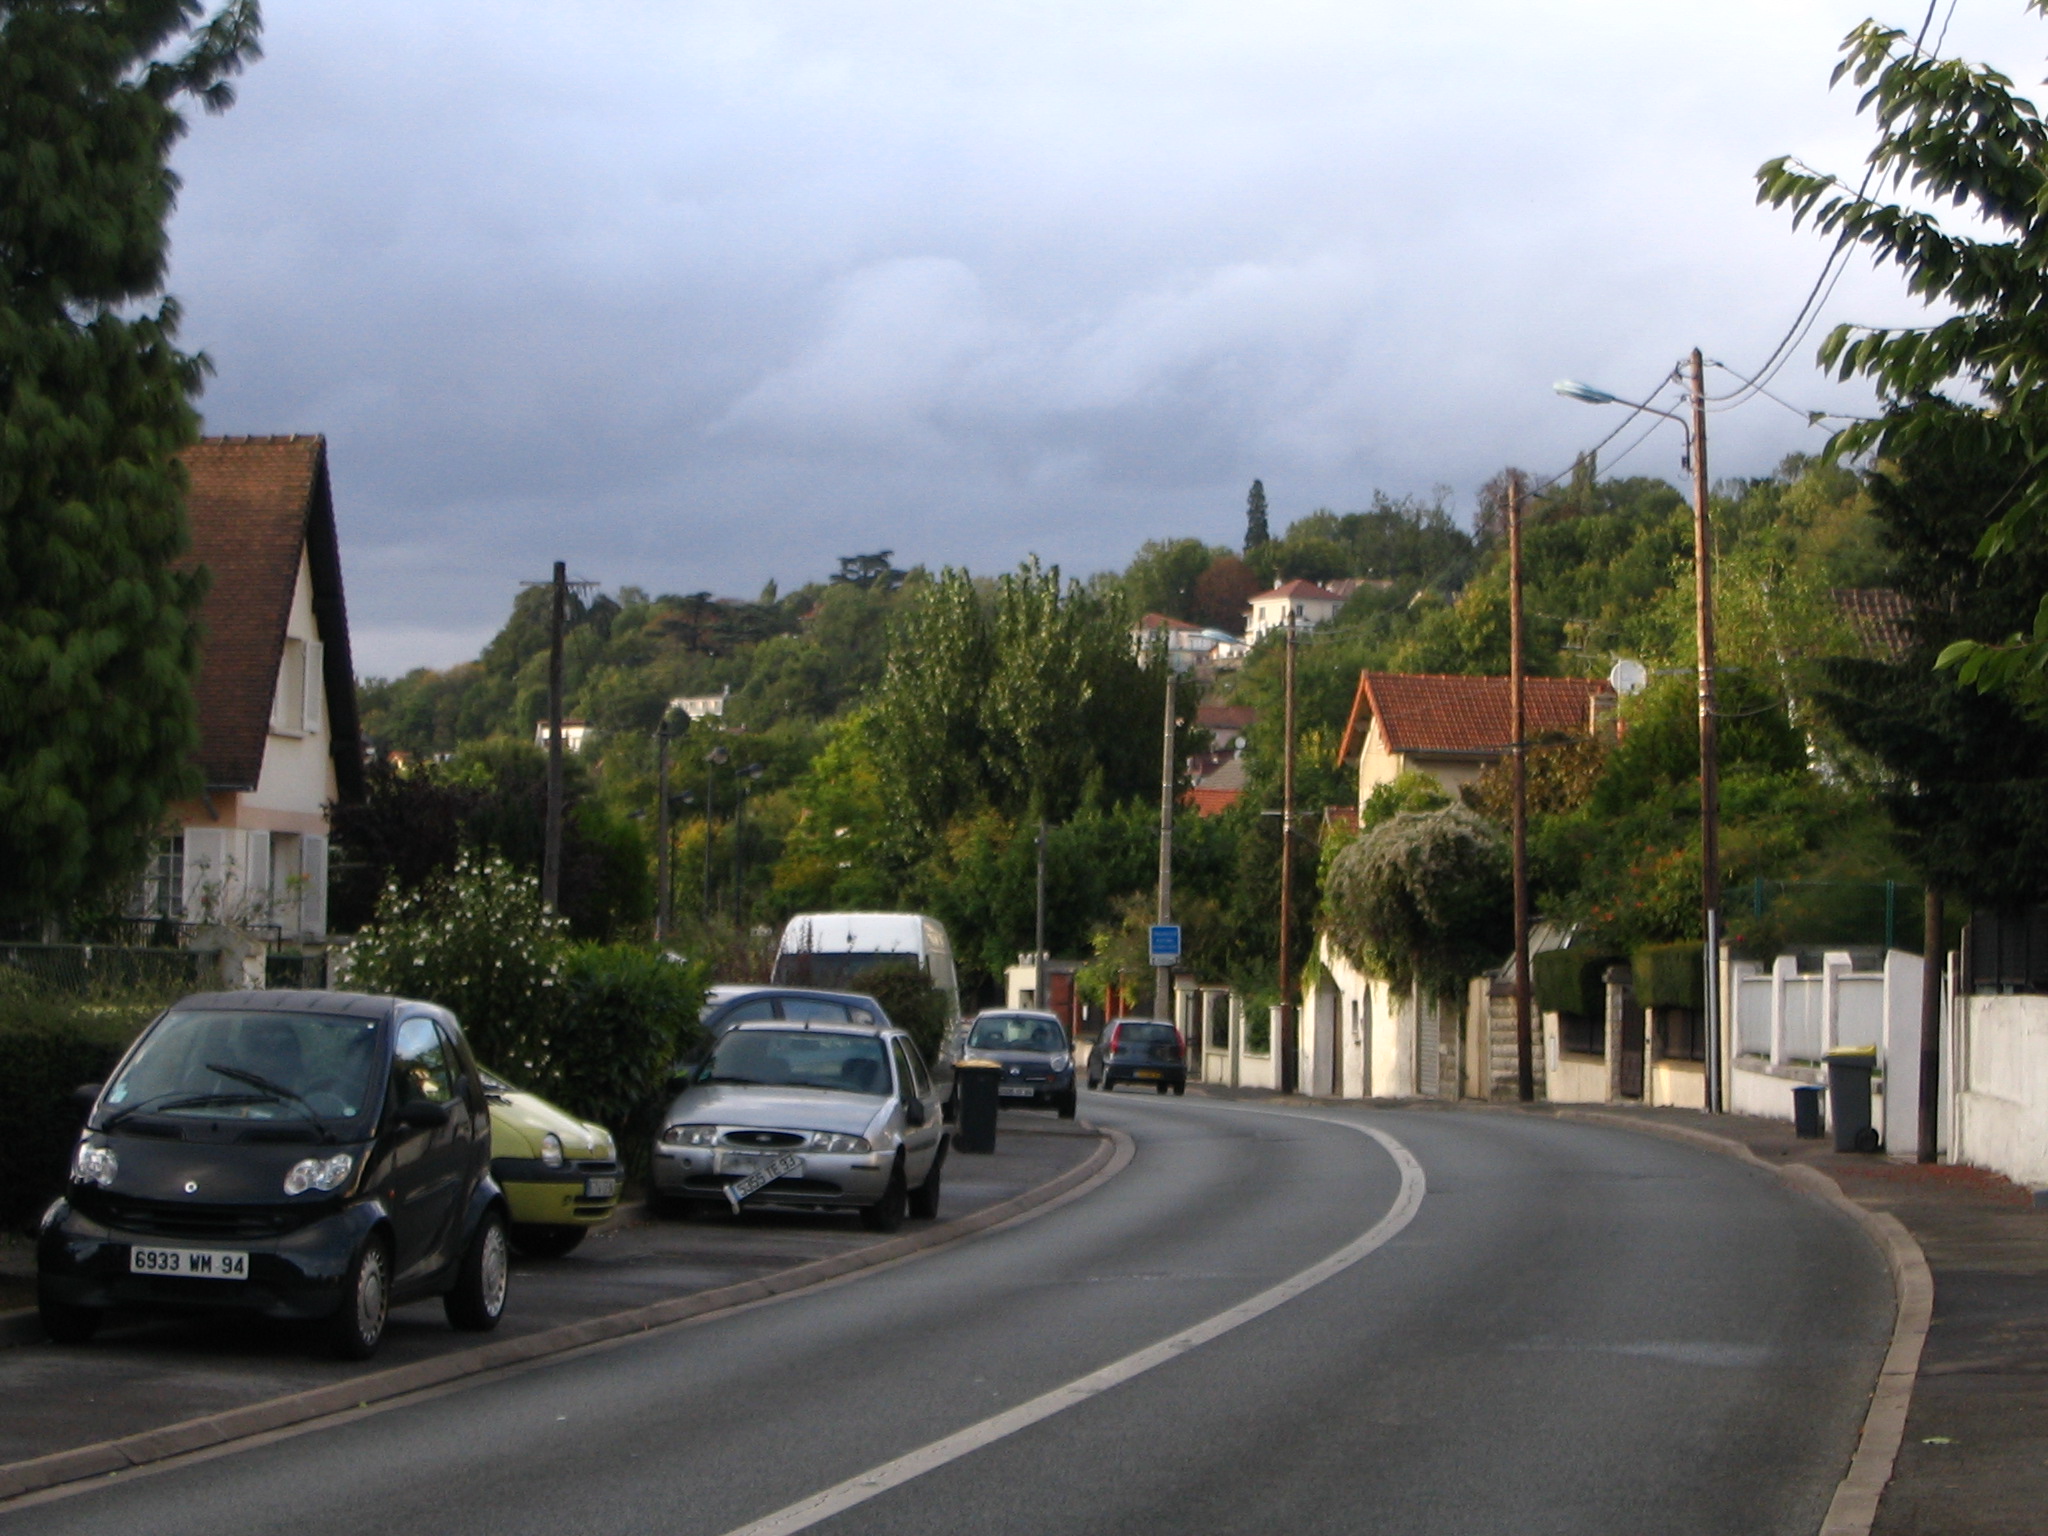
{"x": 1300, "y": 588}
{"x": 253, "y": 504}
{"x": 1878, "y": 617}
{"x": 1436, "y": 715}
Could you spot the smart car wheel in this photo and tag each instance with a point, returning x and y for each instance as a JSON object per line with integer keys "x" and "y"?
{"x": 66, "y": 1324}
{"x": 357, "y": 1327}
{"x": 481, "y": 1283}
{"x": 546, "y": 1242}
{"x": 887, "y": 1213}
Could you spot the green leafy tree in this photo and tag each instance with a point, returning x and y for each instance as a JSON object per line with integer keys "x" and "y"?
{"x": 1166, "y": 575}
{"x": 1424, "y": 898}
{"x": 1954, "y": 133}
{"x": 97, "y": 644}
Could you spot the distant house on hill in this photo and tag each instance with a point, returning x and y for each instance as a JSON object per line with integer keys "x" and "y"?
{"x": 1308, "y": 603}
{"x": 1451, "y": 728}
{"x": 1877, "y": 616}
{"x": 575, "y": 734}
{"x": 278, "y": 736}
{"x": 1188, "y": 646}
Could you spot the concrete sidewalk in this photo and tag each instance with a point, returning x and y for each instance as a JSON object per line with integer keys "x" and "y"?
{"x": 144, "y": 1375}
{"x": 1974, "y": 1461}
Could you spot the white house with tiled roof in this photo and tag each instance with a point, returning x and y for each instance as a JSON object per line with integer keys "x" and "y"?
{"x": 278, "y": 736}
{"x": 1306, "y": 602}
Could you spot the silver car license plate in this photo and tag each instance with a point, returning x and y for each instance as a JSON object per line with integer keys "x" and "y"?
{"x": 189, "y": 1263}
{"x": 763, "y": 1176}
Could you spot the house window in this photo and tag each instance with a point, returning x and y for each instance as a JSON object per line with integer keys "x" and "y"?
{"x": 1681, "y": 1034}
{"x": 1580, "y": 1035}
{"x": 288, "y": 711}
{"x": 161, "y": 893}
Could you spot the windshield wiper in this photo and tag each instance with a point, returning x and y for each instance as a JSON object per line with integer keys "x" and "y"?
{"x": 188, "y": 1101}
{"x": 752, "y": 1082}
{"x": 276, "y": 1091}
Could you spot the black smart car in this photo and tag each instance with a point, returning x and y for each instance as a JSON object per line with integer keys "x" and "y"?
{"x": 1148, "y": 1052}
{"x": 313, "y": 1155}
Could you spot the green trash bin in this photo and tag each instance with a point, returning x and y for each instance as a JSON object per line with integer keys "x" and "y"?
{"x": 978, "y": 1083}
{"x": 1850, "y": 1069}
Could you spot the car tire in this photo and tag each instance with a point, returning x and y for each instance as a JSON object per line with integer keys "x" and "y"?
{"x": 546, "y": 1242}
{"x": 66, "y": 1324}
{"x": 1065, "y": 1104}
{"x": 483, "y": 1279}
{"x": 357, "y": 1327}
{"x": 887, "y": 1213}
{"x": 1180, "y": 1089}
{"x": 924, "y": 1200}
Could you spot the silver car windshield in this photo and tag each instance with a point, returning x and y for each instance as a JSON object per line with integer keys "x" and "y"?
{"x": 800, "y": 1058}
{"x": 1014, "y": 1032}
{"x": 227, "y": 1064}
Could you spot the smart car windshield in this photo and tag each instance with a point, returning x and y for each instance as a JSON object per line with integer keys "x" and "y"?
{"x": 800, "y": 1058}
{"x": 225, "y": 1064}
{"x": 1015, "y": 1032}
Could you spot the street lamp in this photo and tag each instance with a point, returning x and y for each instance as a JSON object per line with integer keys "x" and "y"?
{"x": 1703, "y": 606}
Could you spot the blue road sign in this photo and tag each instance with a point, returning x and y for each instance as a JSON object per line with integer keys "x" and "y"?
{"x": 1166, "y": 944}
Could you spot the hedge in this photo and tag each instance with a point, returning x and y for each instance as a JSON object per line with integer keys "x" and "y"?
{"x": 50, "y": 1048}
{"x": 1572, "y": 981}
{"x": 1670, "y": 975}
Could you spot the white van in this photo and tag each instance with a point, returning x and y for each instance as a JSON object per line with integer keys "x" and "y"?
{"x": 833, "y": 950}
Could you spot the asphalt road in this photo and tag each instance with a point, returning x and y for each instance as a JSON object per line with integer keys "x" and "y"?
{"x": 1578, "y": 1330}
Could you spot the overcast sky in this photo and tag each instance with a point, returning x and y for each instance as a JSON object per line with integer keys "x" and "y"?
{"x": 698, "y": 295}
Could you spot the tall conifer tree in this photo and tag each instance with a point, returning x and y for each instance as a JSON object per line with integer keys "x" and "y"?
{"x": 97, "y": 637}
{"x": 1255, "y": 530}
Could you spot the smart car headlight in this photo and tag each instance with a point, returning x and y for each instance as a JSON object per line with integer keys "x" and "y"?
{"x": 832, "y": 1141}
{"x": 551, "y": 1150}
{"x": 690, "y": 1136}
{"x": 94, "y": 1164}
{"x": 321, "y": 1173}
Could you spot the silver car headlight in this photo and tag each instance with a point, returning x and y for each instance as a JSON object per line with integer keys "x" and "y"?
{"x": 94, "y": 1164}
{"x": 830, "y": 1141}
{"x": 321, "y": 1173}
{"x": 551, "y": 1150}
{"x": 690, "y": 1136}
{"x": 1061, "y": 1062}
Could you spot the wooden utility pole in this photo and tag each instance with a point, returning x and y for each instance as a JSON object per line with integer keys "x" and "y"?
{"x": 1933, "y": 969}
{"x": 551, "y": 847}
{"x": 1710, "y": 772}
{"x": 712, "y": 761}
{"x": 1038, "y": 980}
{"x": 1290, "y": 1041}
{"x": 1162, "y": 992}
{"x": 1525, "y": 1053}
{"x": 664, "y": 900}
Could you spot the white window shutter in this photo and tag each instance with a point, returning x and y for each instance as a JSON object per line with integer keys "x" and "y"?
{"x": 206, "y": 850}
{"x": 255, "y": 894}
{"x": 313, "y": 905}
{"x": 316, "y": 686}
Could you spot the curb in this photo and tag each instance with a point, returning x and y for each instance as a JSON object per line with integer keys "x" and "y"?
{"x": 1111, "y": 1156}
{"x": 1853, "y": 1509}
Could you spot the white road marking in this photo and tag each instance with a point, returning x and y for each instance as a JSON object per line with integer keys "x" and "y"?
{"x": 822, "y": 1506}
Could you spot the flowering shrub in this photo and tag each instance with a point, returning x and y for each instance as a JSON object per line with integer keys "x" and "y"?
{"x": 478, "y": 941}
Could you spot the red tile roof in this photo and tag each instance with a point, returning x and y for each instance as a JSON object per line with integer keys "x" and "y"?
{"x": 1436, "y": 715}
{"x": 1225, "y": 717}
{"x": 254, "y": 504}
{"x": 1300, "y": 588}
{"x": 1878, "y": 616}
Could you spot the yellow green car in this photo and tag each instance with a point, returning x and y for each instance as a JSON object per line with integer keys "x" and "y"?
{"x": 561, "y": 1176}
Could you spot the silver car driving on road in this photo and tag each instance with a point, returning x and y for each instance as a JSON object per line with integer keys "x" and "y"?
{"x": 790, "y": 1113}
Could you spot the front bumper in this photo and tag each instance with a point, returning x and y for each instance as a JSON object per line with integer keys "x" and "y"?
{"x": 827, "y": 1179}
{"x": 540, "y": 1196}
{"x": 83, "y": 1262}
{"x": 1034, "y": 1092}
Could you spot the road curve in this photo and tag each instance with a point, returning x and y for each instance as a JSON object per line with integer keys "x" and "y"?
{"x": 1579, "y": 1330}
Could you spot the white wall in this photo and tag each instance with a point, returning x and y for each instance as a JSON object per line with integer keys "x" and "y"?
{"x": 2001, "y": 1087}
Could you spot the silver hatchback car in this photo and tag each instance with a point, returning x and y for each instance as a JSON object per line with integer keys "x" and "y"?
{"x": 792, "y": 1113}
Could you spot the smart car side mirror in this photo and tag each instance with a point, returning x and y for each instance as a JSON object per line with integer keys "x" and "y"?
{"x": 422, "y": 1115}
{"x": 85, "y": 1095}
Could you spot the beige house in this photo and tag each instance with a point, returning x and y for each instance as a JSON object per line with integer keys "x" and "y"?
{"x": 279, "y": 742}
{"x": 1451, "y": 728}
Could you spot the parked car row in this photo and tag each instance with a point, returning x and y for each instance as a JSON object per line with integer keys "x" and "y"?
{"x": 326, "y": 1156}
